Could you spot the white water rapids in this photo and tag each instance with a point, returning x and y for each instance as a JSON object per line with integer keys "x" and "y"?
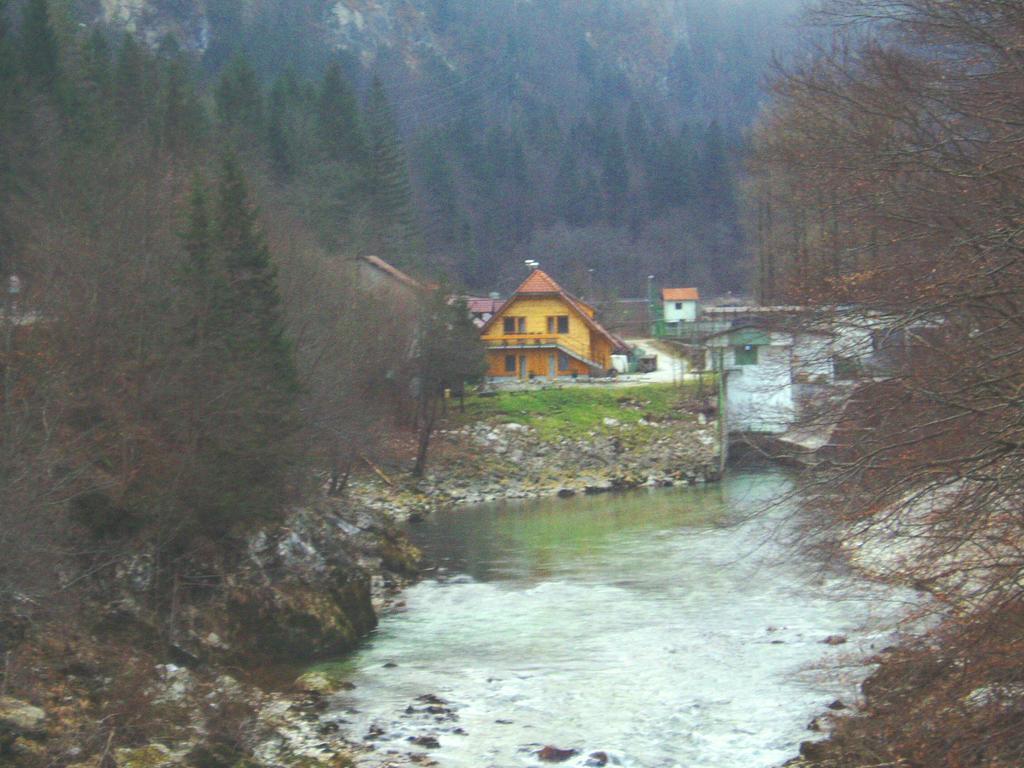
{"x": 668, "y": 628}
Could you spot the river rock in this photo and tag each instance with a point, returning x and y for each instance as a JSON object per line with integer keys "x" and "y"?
{"x": 428, "y": 742}
{"x": 19, "y": 718}
{"x": 149, "y": 756}
{"x": 834, "y": 640}
{"x": 597, "y": 759}
{"x": 319, "y": 681}
{"x": 551, "y": 754}
{"x": 814, "y": 750}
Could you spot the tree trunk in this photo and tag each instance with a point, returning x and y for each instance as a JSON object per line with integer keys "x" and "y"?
{"x": 428, "y": 413}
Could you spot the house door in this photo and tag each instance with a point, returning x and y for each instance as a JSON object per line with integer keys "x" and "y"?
{"x": 522, "y": 366}
{"x": 551, "y": 365}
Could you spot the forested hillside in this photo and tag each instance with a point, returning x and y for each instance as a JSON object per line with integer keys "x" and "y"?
{"x": 183, "y": 355}
{"x": 601, "y": 136}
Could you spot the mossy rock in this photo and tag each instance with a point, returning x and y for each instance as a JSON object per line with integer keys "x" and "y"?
{"x": 149, "y": 756}
{"x": 325, "y": 678}
{"x": 219, "y": 756}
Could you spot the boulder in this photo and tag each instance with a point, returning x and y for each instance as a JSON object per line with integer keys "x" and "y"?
{"x": 19, "y": 718}
{"x": 322, "y": 681}
{"x": 428, "y": 742}
{"x": 814, "y": 750}
{"x": 551, "y": 754}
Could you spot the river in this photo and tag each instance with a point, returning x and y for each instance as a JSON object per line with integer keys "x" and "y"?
{"x": 667, "y": 628}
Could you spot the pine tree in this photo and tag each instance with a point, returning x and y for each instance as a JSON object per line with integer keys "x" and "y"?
{"x": 96, "y": 64}
{"x": 198, "y": 238}
{"x": 130, "y": 97}
{"x": 638, "y": 134}
{"x": 717, "y": 186}
{"x": 176, "y": 119}
{"x": 279, "y": 146}
{"x": 8, "y": 65}
{"x": 615, "y": 178}
{"x": 252, "y": 279}
{"x": 238, "y": 96}
{"x": 242, "y": 434}
{"x": 670, "y": 180}
{"x": 40, "y": 55}
{"x": 338, "y": 118}
{"x": 577, "y": 195}
{"x": 389, "y": 179}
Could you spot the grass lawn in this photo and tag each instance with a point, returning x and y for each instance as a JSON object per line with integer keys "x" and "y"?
{"x": 575, "y": 411}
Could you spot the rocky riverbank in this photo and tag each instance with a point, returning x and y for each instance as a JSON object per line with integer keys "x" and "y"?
{"x": 136, "y": 681}
{"x": 486, "y": 461}
{"x": 140, "y": 681}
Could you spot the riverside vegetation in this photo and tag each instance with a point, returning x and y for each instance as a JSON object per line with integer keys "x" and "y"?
{"x": 145, "y": 683}
{"x": 887, "y": 191}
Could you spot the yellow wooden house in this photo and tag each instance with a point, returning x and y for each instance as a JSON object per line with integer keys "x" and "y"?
{"x": 544, "y": 331}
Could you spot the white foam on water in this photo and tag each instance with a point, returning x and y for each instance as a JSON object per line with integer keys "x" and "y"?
{"x": 639, "y": 627}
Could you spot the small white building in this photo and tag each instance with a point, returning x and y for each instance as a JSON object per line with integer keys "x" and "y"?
{"x": 764, "y": 372}
{"x": 680, "y": 305}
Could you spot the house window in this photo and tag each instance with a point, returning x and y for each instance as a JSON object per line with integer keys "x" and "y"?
{"x": 679, "y": 305}
{"x": 563, "y": 361}
{"x": 514, "y": 324}
{"x": 746, "y": 354}
{"x": 510, "y": 363}
{"x": 558, "y": 324}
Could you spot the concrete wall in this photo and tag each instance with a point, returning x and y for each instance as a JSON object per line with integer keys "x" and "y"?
{"x": 759, "y": 398}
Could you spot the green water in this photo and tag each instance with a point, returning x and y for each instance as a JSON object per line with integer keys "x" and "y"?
{"x": 669, "y": 628}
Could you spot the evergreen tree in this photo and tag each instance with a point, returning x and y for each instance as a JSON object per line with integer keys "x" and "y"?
{"x": 717, "y": 185}
{"x": 670, "y": 179}
{"x": 442, "y": 194}
{"x": 96, "y": 65}
{"x": 576, "y": 192}
{"x": 40, "y": 54}
{"x": 389, "y": 179}
{"x": 278, "y": 143}
{"x": 8, "y": 67}
{"x": 238, "y": 96}
{"x": 130, "y": 97}
{"x": 242, "y": 434}
{"x": 252, "y": 279}
{"x": 198, "y": 238}
{"x": 615, "y": 178}
{"x": 638, "y": 134}
{"x": 338, "y": 118}
{"x": 177, "y": 116}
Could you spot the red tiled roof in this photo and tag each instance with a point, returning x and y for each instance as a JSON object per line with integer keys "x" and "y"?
{"x": 483, "y": 305}
{"x": 394, "y": 272}
{"x": 680, "y": 294}
{"x": 540, "y": 282}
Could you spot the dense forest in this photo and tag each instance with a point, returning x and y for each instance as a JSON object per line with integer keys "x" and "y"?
{"x": 178, "y": 362}
{"x": 588, "y": 136}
